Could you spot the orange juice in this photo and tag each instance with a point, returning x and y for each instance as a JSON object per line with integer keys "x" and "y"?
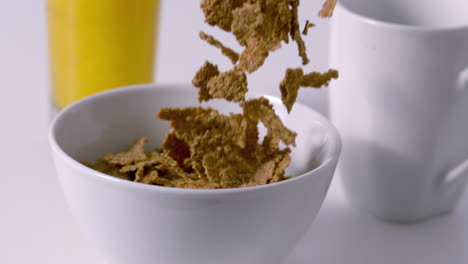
{"x": 96, "y": 45}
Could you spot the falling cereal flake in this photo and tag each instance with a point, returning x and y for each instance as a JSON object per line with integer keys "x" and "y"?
{"x": 295, "y": 78}
{"x": 289, "y": 87}
{"x": 327, "y": 8}
{"x": 307, "y": 25}
{"x": 203, "y": 75}
{"x": 231, "y": 85}
{"x": 231, "y": 54}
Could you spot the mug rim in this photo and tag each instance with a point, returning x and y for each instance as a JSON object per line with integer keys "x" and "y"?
{"x": 332, "y": 134}
{"x": 398, "y": 26}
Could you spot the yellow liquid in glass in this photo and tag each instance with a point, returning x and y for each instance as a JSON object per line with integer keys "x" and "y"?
{"x": 95, "y": 45}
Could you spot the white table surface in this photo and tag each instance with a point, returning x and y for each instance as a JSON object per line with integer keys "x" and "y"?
{"x": 35, "y": 224}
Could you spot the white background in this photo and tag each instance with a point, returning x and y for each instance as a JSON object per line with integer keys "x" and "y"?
{"x": 35, "y": 224}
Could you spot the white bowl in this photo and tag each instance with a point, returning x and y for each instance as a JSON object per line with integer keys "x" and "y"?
{"x": 134, "y": 223}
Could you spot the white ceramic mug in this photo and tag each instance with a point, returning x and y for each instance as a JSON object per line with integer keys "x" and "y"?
{"x": 401, "y": 104}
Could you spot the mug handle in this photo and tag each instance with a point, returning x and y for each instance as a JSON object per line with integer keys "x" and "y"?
{"x": 458, "y": 174}
{"x": 463, "y": 81}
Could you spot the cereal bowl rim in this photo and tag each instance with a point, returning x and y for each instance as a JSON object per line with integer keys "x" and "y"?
{"x": 332, "y": 135}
